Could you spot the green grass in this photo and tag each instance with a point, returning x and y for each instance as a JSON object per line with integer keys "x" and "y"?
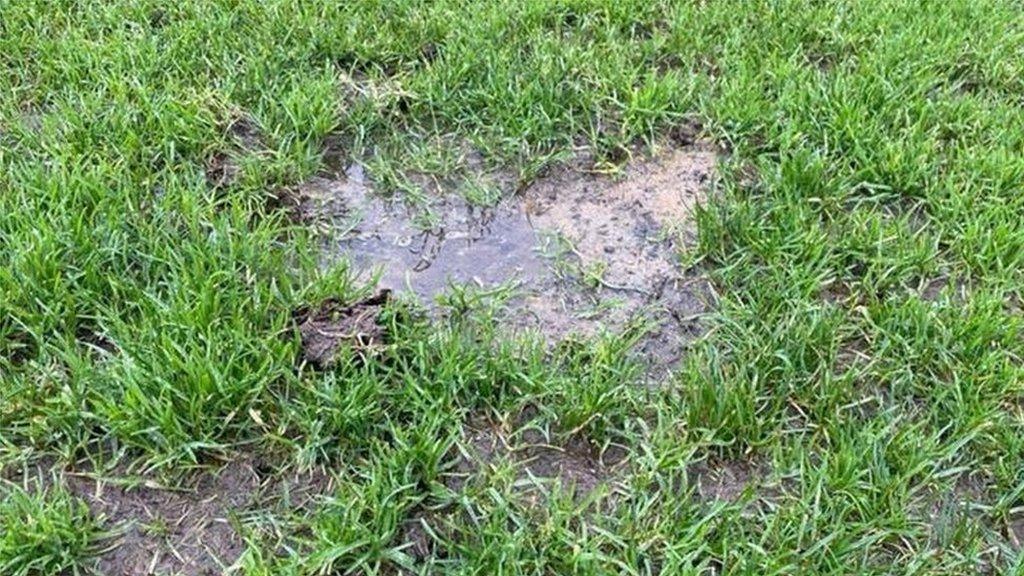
{"x": 45, "y": 532}
{"x": 866, "y": 239}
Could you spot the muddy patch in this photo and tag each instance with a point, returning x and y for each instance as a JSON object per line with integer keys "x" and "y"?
{"x": 581, "y": 251}
{"x": 189, "y": 527}
{"x": 333, "y": 325}
{"x": 724, "y": 480}
{"x": 222, "y": 171}
{"x": 223, "y": 168}
{"x": 416, "y": 537}
{"x": 943, "y": 288}
{"x": 621, "y": 240}
{"x": 574, "y": 466}
{"x": 424, "y": 248}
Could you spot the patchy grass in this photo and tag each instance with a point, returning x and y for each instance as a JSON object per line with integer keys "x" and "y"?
{"x": 865, "y": 239}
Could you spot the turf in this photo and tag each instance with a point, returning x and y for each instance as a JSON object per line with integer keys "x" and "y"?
{"x": 865, "y": 240}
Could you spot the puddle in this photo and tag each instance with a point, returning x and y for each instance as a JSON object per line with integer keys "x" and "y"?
{"x": 586, "y": 251}
{"x": 425, "y": 250}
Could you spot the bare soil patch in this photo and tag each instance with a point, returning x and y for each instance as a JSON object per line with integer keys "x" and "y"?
{"x": 187, "y": 528}
{"x": 585, "y": 251}
{"x": 623, "y": 237}
{"x": 724, "y": 480}
{"x": 575, "y": 465}
{"x": 223, "y": 168}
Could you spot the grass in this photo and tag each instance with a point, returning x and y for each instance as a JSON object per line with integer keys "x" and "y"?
{"x": 45, "y": 532}
{"x": 866, "y": 240}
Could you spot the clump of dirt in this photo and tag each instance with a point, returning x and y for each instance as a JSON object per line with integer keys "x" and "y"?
{"x": 333, "y": 325}
{"x": 934, "y": 290}
{"x": 245, "y": 131}
{"x": 585, "y": 251}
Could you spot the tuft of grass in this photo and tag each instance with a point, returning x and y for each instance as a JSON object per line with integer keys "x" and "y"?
{"x": 45, "y": 532}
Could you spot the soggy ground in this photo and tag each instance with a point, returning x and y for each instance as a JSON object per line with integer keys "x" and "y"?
{"x": 189, "y": 526}
{"x": 853, "y": 403}
{"x": 582, "y": 251}
{"x": 579, "y": 251}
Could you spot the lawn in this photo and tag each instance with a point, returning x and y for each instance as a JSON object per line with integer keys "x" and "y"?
{"x": 853, "y": 404}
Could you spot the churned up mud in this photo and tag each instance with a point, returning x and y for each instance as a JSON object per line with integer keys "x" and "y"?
{"x": 583, "y": 251}
{"x": 330, "y": 326}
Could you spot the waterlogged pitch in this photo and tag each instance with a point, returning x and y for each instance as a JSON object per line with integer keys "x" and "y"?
{"x": 511, "y": 287}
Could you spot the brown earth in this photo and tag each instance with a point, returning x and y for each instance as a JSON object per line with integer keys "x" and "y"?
{"x": 538, "y": 463}
{"x": 182, "y": 530}
{"x": 189, "y": 527}
{"x": 723, "y": 480}
{"x": 331, "y": 325}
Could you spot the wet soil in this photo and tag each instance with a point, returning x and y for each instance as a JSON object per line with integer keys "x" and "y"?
{"x": 584, "y": 251}
{"x": 423, "y": 249}
{"x": 190, "y": 527}
{"x": 333, "y": 325}
{"x": 222, "y": 167}
{"x": 724, "y": 480}
{"x": 187, "y": 530}
{"x": 538, "y": 463}
{"x": 623, "y": 238}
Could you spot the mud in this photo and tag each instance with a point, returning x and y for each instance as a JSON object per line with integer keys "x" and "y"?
{"x": 160, "y": 530}
{"x": 943, "y": 289}
{"x": 575, "y": 466}
{"x": 622, "y": 239}
{"x": 223, "y": 168}
{"x": 222, "y": 171}
{"x": 415, "y": 536}
{"x": 1015, "y": 532}
{"x": 724, "y": 480}
{"x": 583, "y": 251}
{"x": 423, "y": 249}
{"x": 333, "y": 325}
{"x": 190, "y": 528}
